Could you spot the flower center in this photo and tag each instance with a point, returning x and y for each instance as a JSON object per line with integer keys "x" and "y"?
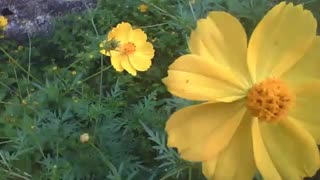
{"x": 128, "y": 48}
{"x": 270, "y": 100}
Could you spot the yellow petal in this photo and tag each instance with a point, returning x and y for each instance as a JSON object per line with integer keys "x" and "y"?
{"x": 116, "y": 59}
{"x": 138, "y": 37}
{"x": 307, "y": 68}
{"x": 307, "y": 103}
{"x": 141, "y": 58}
{"x": 280, "y": 40}
{"x": 284, "y": 150}
{"x": 262, "y": 158}
{"x": 201, "y": 131}
{"x": 236, "y": 161}
{"x": 145, "y": 49}
{"x": 125, "y": 63}
{"x": 303, "y": 79}
{"x": 120, "y": 33}
{"x": 221, "y": 38}
{"x": 140, "y": 62}
{"x": 192, "y": 77}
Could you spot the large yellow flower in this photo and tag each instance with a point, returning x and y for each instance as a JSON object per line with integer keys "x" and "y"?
{"x": 133, "y": 52}
{"x": 260, "y": 99}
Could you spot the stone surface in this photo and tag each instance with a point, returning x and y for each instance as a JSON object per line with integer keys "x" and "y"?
{"x": 34, "y": 16}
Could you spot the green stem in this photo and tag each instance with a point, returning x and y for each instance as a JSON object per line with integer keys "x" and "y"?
{"x": 16, "y": 76}
{"x": 190, "y": 173}
{"x": 18, "y": 65}
{"x": 5, "y": 142}
{"x": 104, "y": 69}
{"x": 9, "y": 103}
{"x": 191, "y": 8}
{"x": 151, "y": 26}
{"x": 108, "y": 163}
{"x": 101, "y": 78}
{"x": 13, "y": 174}
{"x": 29, "y": 57}
{"x": 163, "y": 12}
{"x": 4, "y": 85}
{"x": 75, "y": 62}
{"x": 101, "y": 57}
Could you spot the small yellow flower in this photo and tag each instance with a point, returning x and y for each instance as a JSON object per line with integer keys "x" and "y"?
{"x": 54, "y": 68}
{"x": 143, "y": 8}
{"x": 133, "y": 53}
{"x": 3, "y": 22}
{"x": 260, "y": 96}
{"x": 74, "y": 72}
{"x": 84, "y": 138}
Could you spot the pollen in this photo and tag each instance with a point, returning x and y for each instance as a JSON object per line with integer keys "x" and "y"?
{"x": 128, "y": 48}
{"x": 270, "y": 100}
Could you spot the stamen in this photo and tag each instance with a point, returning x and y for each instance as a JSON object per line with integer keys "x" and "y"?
{"x": 270, "y": 100}
{"x": 128, "y": 48}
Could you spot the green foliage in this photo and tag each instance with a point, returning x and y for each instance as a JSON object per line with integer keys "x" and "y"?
{"x": 56, "y": 88}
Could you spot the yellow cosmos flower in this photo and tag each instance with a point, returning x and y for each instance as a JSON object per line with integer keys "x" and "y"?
{"x": 3, "y": 22}
{"x": 143, "y": 8}
{"x": 260, "y": 99}
{"x": 133, "y": 53}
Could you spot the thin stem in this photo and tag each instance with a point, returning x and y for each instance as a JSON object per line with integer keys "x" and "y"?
{"x": 165, "y": 13}
{"x": 16, "y": 76}
{"x": 150, "y": 26}
{"x": 190, "y": 173}
{"x": 92, "y": 21}
{"x": 41, "y": 151}
{"x": 97, "y": 73}
{"x": 9, "y": 103}
{"x": 4, "y": 85}
{"x": 161, "y": 10}
{"x": 29, "y": 59}
{"x": 101, "y": 78}
{"x": 4, "y": 142}
{"x": 18, "y": 65}
{"x": 101, "y": 57}
{"x": 191, "y": 8}
{"x": 75, "y": 62}
{"x": 1, "y": 137}
{"x": 57, "y": 153}
{"x": 311, "y": 1}
{"x": 14, "y": 174}
{"x": 94, "y": 27}
{"x": 108, "y": 163}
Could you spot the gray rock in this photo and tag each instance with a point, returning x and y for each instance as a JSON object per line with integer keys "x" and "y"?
{"x": 34, "y": 17}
